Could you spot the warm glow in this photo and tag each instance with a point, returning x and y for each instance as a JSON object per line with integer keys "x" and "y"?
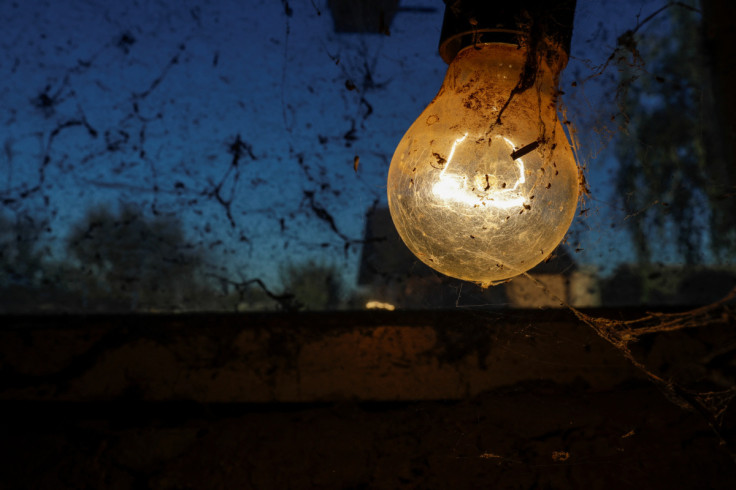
{"x": 379, "y": 305}
{"x": 482, "y": 191}
{"x": 476, "y": 196}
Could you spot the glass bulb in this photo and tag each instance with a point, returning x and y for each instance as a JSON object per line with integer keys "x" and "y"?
{"x": 484, "y": 185}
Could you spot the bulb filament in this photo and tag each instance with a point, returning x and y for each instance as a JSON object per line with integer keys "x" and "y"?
{"x": 455, "y": 187}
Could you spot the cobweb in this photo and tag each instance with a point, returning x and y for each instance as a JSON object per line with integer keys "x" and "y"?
{"x": 635, "y": 60}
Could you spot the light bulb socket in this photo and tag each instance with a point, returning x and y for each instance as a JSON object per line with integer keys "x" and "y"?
{"x": 517, "y": 22}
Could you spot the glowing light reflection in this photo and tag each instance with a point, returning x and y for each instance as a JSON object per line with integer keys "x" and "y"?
{"x": 379, "y": 305}
{"x": 454, "y": 187}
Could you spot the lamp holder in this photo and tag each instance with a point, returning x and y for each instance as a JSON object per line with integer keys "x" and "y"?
{"x": 520, "y": 22}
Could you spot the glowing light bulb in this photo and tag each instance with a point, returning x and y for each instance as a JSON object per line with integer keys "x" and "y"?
{"x": 484, "y": 185}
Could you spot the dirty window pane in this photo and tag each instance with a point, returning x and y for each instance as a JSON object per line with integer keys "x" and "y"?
{"x": 231, "y": 156}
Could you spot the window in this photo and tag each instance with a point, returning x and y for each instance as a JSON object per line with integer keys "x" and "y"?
{"x": 185, "y": 157}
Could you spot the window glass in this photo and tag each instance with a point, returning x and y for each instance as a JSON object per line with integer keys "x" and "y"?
{"x": 232, "y": 156}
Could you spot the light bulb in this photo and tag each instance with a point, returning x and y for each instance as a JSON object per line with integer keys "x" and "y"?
{"x": 484, "y": 185}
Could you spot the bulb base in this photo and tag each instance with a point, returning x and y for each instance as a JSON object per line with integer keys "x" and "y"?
{"x": 521, "y": 22}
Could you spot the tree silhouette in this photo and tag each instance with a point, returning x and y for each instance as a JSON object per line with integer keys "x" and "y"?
{"x": 128, "y": 260}
{"x": 313, "y": 285}
{"x": 23, "y": 271}
{"x": 20, "y": 257}
{"x": 667, "y": 178}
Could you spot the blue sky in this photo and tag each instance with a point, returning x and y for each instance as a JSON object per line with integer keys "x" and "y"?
{"x": 145, "y": 100}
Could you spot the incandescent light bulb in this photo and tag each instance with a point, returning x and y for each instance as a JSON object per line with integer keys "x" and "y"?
{"x": 484, "y": 185}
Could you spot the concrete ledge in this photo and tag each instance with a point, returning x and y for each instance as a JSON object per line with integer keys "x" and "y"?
{"x": 455, "y": 399}
{"x": 308, "y": 357}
